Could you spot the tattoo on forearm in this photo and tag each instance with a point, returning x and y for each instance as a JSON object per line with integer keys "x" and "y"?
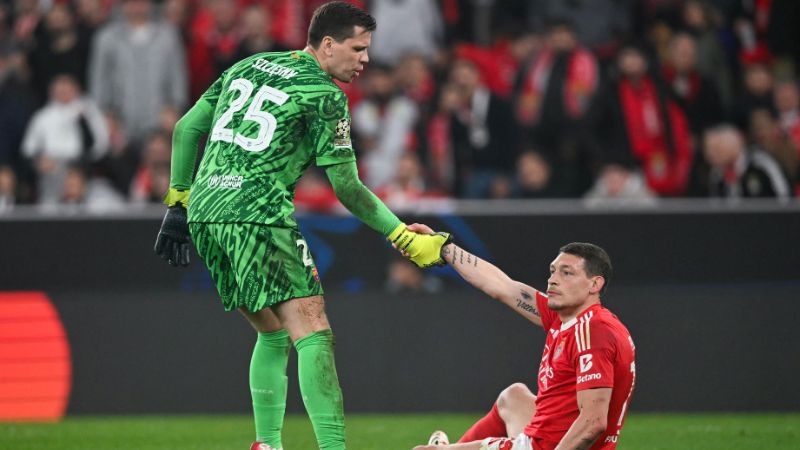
{"x": 584, "y": 444}
{"x": 527, "y": 306}
{"x": 526, "y": 295}
{"x": 458, "y": 255}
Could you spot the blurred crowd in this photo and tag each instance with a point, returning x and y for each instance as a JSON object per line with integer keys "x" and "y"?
{"x": 595, "y": 99}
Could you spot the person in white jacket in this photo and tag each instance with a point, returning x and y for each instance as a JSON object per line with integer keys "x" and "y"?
{"x": 68, "y": 129}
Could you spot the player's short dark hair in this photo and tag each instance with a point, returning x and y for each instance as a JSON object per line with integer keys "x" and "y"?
{"x": 338, "y": 20}
{"x": 596, "y": 261}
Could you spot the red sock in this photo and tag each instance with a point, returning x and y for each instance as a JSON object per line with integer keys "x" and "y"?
{"x": 491, "y": 425}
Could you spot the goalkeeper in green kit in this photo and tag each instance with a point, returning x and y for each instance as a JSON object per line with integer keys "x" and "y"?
{"x": 268, "y": 118}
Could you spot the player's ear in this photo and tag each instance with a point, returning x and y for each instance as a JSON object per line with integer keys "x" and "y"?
{"x": 597, "y": 284}
{"x": 327, "y": 46}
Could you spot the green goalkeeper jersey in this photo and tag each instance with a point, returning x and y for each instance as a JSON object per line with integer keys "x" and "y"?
{"x": 274, "y": 115}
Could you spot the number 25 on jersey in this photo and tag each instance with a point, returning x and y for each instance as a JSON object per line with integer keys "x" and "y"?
{"x": 266, "y": 121}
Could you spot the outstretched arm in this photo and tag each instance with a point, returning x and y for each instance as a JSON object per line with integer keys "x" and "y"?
{"x": 359, "y": 200}
{"x": 490, "y": 279}
{"x": 423, "y": 249}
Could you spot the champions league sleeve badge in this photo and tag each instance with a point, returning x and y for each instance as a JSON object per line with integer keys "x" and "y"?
{"x": 342, "y": 138}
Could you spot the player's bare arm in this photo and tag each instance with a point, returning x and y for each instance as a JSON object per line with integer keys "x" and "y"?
{"x": 591, "y": 422}
{"x": 490, "y": 279}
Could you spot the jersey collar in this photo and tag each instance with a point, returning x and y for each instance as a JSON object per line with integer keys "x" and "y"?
{"x": 568, "y": 324}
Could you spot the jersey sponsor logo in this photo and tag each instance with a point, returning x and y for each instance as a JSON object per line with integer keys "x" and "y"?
{"x": 611, "y": 439}
{"x": 274, "y": 69}
{"x": 589, "y": 377}
{"x": 342, "y": 138}
{"x": 586, "y": 363}
{"x": 225, "y": 181}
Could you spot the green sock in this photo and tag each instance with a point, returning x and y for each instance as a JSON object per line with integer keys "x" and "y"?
{"x": 319, "y": 385}
{"x": 268, "y": 385}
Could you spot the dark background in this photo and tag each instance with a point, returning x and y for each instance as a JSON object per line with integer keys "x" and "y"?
{"x": 710, "y": 299}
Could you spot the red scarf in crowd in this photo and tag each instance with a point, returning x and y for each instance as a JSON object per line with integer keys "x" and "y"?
{"x": 666, "y": 170}
{"x": 580, "y": 85}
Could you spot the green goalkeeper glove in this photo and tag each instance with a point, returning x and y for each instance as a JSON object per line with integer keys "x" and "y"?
{"x": 424, "y": 250}
{"x": 172, "y": 243}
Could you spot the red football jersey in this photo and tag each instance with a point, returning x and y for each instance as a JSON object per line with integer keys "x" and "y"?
{"x": 593, "y": 350}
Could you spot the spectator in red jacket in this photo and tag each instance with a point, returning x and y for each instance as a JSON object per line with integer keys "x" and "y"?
{"x": 638, "y": 119}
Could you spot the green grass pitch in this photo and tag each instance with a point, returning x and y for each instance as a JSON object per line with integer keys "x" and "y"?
{"x": 384, "y": 432}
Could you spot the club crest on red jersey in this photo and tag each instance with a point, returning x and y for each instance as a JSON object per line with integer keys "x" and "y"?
{"x": 559, "y": 349}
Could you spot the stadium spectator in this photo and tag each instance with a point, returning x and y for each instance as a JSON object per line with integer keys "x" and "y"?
{"x": 767, "y": 135}
{"x": 619, "y": 185}
{"x": 500, "y": 63}
{"x": 587, "y": 371}
{"x": 739, "y": 172}
{"x": 711, "y": 61}
{"x": 383, "y": 125}
{"x": 26, "y": 18}
{"x": 787, "y": 102}
{"x": 122, "y": 160}
{"x": 90, "y": 15}
{"x": 414, "y": 78}
{"x": 137, "y": 67}
{"x": 214, "y": 43}
{"x": 534, "y": 176}
{"x": 8, "y": 188}
{"x": 256, "y": 26}
{"x": 81, "y": 193}
{"x": 152, "y": 178}
{"x": 485, "y": 137}
{"x": 603, "y": 23}
{"x": 637, "y": 120}
{"x": 178, "y": 13}
{"x": 16, "y": 105}
{"x": 698, "y": 95}
{"x": 59, "y": 49}
{"x": 407, "y": 186}
{"x": 440, "y": 157}
{"x": 407, "y": 26}
{"x": 405, "y": 278}
{"x": 783, "y": 34}
{"x": 757, "y": 93}
{"x": 70, "y": 128}
{"x": 555, "y": 96}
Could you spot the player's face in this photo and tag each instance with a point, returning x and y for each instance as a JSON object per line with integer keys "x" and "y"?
{"x": 347, "y": 58}
{"x": 569, "y": 287}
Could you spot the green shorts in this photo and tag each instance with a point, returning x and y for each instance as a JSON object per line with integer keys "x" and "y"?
{"x": 256, "y": 266}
